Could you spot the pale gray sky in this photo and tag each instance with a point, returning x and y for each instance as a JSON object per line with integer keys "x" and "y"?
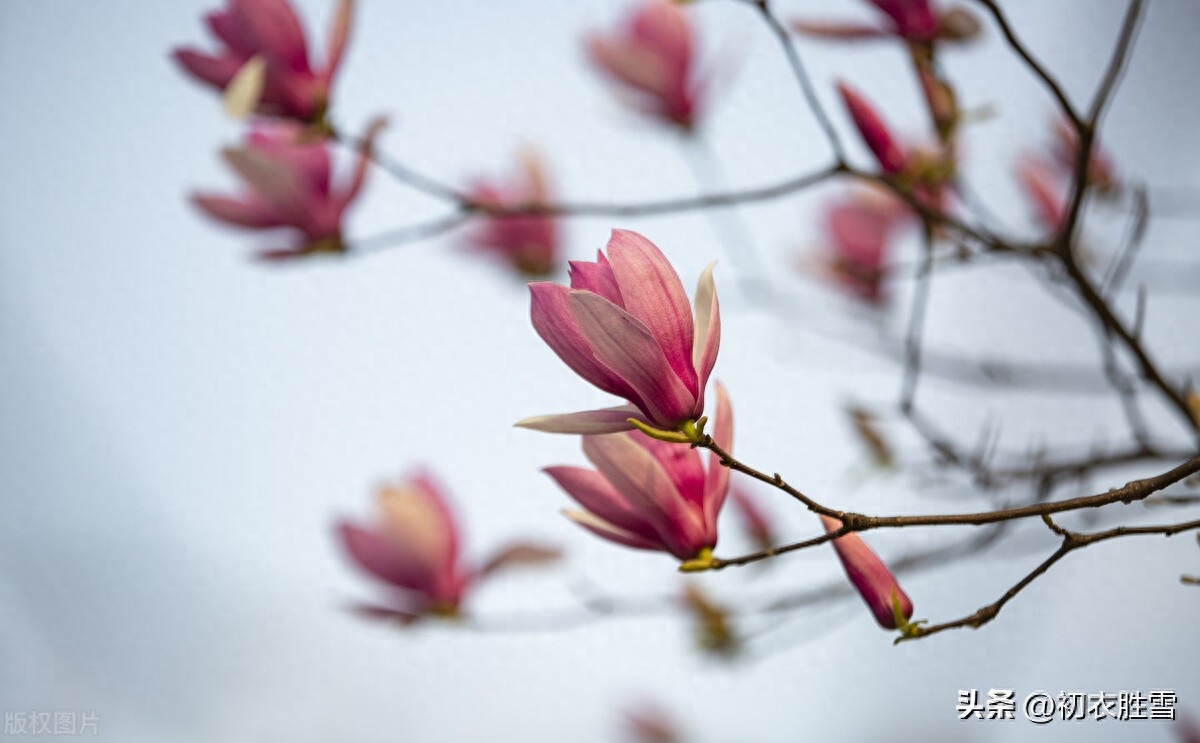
{"x": 181, "y": 426}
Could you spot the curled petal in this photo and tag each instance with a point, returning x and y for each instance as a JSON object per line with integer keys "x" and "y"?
{"x": 236, "y": 211}
{"x": 716, "y": 484}
{"x": 554, "y": 323}
{"x": 339, "y": 34}
{"x": 606, "y": 420}
{"x": 594, "y": 492}
{"x": 518, "y": 555}
{"x": 708, "y": 330}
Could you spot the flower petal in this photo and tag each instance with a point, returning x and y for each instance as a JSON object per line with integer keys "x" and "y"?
{"x": 240, "y": 212}
{"x": 708, "y": 331}
{"x": 717, "y": 482}
{"x": 595, "y": 277}
{"x": 591, "y": 490}
{"x": 556, "y": 326}
{"x": 622, "y": 343}
{"x": 339, "y": 34}
{"x": 605, "y": 420}
{"x": 377, "y": 555}
{"x": 646, "y": 486}
{"x": 870, "y": 576}
{"x": 651, "y": 292}
{"x": 605, "y": 530}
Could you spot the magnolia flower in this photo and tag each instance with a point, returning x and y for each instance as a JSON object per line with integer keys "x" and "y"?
{"x": 859, "y": 231}
{"x": 911, "y": 20}
{"x": 1043, "y": 191}
{"x": 651, "y": 724}
{"x": 264, "y": 39}
{"x": 413, "y": 548}
{"x": 651, "y": 494}
{"x": 653, "y": 56}
{"x": 289, "y": 184}
{"x": 892, "y": 157}
{"x": 530, "y": 244}
{"x": 870, "y": 577}
{"x": 624, "y": 325}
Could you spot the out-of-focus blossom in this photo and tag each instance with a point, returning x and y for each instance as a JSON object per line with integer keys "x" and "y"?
{"x": 866, "y": 428}
{"x": 715, "y": 633}
{"x": 870, "y": 577}
{"x": 892, "y": 157}
{"x": 915, "y": 21}
{"x": 859, "y": 230}
{"x": 1043, "y": 190}
{"x": 270, "y": 32}
{"x": 289, "y": 184}
{"x": 413, "y": 547}
{"x": 529, "y": 244}
{"x": 625, "y": 326}
{"x": 651, "y": 724}
{"x": 1101, "y": 174}
{"x": 653, "y": 55}
{"x": 1187, "y": 730}
{"x": 651, "y": 494}
{"x": 755, "y": 521}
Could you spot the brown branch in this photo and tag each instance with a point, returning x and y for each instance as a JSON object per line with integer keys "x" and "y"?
{"x": 1041, "y": 72}
{"x": 1071, "y": 541}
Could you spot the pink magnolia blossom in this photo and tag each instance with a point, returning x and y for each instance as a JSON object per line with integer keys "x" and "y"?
{"x": 651, "y": 494}
{"x": 859, "y": 231}
{"x": 892, "y": 157}
{"x": 625, "y": 326}
{"x": 530, "y": 244}
{"x": 650, "y": 723}
{"x": 915, "y": 21}
{"x": 413, "y": 547}
{"x": 653, "y": 56}
{"x": 870, "y": 577}
{"x": 1044, "y": 191}
{"x": 289, "y": 183}
{"x": 270, "y": 30}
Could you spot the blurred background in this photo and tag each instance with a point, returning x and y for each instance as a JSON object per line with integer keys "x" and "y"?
{"x": 180, "y": 426}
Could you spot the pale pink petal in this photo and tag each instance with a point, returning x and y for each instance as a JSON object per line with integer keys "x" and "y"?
{"x": 595, "y": 277}
{"x": 708, "y": 331}
{"x": 362, "y": 162}
{"x": 380, "y": 557}
{"x": 273, "y": 181}
{"x": 682, "y": 463}
{"x": 635, "y": 66}
{"x": 717, "y": 483}
{"x": 625, "y": 345}
{"x": 339, "y": 34}
{"x": 605, "y": 530}
{"x": 556, "y": 326}
{"x": 606, "y": 420}
{"x": 594, "y": 492}
{"x": 276, "y": 31}
{"x": 651, "y": 292}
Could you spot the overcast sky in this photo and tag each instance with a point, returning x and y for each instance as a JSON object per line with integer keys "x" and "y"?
{"x": 181, "y": 426}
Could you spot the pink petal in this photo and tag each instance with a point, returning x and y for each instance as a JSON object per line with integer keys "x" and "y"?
{"x": 717, "y": 482}
{"x": 217, "y": 71}
{"x": 237, "y": 211}
{"x": 273, "y": 181}
{"x": 339, "y": 34}
{"x": 605, "y": 530}
{"x": 606, "y": 420}
{"x": 646, "y": 486}
{"x": 362, "y": 163}
{"x": 556, "y": 326}
{"x": 594, "y": 492}
{"x": 681, "y": 463}
{"x": 517, "y": 555}
{"x": 625, "y": 345}
{"x": 892, "y": 158}
{"x": 651, "y": 292}
{"x": 914, "y": 19}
